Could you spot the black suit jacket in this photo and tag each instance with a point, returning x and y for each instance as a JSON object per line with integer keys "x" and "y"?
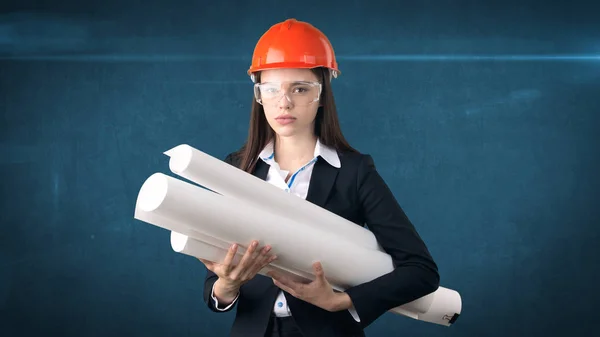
{"x": 358, "y": 193}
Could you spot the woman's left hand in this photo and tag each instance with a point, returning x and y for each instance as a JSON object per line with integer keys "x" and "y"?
{"x": 318, "y": 292}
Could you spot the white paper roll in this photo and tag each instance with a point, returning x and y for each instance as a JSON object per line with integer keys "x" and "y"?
{"x": 231, "y": 220}
{"x": 202, "y": 241}
{"x": 437, "y": 312}
{"x": 296, "y": 245}
{"x": 218, "y": 176}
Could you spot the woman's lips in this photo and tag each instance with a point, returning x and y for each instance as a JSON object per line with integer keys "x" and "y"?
{"x": 284, "y": 120}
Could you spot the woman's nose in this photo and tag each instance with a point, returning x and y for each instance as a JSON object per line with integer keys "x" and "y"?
{"x": 285, "y": 102}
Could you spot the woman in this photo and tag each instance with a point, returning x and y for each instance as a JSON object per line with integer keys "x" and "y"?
{"x": 295, "y": 142}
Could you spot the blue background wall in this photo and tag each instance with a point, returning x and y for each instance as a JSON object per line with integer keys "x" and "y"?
{"x": 487, "y": 140}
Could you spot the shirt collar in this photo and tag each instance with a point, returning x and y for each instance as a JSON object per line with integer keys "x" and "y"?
{"x": 329, "y": 154}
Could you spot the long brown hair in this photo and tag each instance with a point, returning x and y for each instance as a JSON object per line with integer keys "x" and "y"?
{"x": 327, "y": 126}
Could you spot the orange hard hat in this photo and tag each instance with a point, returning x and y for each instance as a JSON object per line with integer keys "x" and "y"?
{"x": 293, "y": 44}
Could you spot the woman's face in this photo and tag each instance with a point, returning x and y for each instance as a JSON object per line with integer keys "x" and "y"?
{"x": 290, "y": 100}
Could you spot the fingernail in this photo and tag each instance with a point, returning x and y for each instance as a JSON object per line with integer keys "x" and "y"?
{"x": 233, "y": 246}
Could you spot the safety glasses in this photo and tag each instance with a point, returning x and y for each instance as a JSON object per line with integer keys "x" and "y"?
{"x": 299, "y": 93}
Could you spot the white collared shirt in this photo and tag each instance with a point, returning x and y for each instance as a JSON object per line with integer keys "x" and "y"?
{"x": 297, "y": 184}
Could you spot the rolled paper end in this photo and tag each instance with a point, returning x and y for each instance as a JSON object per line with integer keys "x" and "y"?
{"x": 181, "y": 157}
{"x": 178, "y": 241}
{"x": 448, "y": 298}
{"x": 153, "y": 192}
{"x": 458, "y": 300}
{"x": 174, "y": 150}
{"x": 445, "y": 309}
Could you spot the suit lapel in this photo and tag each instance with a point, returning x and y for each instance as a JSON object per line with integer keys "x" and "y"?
{"x": 261, "y": 170}
{"x": 321, "y": 182}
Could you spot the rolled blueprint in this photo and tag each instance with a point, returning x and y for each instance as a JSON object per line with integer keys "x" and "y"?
{"x": 232, "y": 220}
{"x": 297, "y": 246}
{"x": 437, "y": 312}
{"x": 218, "y": 176}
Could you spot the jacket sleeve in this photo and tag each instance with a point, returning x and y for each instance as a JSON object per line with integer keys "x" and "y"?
{"x": 211, "y": 278}
{"x": 415, "y": 273}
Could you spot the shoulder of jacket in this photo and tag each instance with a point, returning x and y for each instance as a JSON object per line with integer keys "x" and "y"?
{"x": 355, "y": 159}
{"x": 232, "y": 158}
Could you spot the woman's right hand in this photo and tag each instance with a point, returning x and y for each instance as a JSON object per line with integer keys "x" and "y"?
{"x": 234, "y": 276}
